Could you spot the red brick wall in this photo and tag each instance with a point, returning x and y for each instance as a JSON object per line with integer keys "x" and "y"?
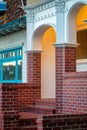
{"x": 62, "y": 122}
{"x": 15, "y": 98}
{"x": 70, "y": 59}
{"x": 1, "y": 113}
{"x": 8, "y": 107}
{"x": 75, "y": 92}
{"x": 26, "y": 95}
{"x": 65, "y": 59}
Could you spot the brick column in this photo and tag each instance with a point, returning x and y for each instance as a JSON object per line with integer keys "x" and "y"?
{"x": 65, "y": 62}
{"x": 34, "y": 70}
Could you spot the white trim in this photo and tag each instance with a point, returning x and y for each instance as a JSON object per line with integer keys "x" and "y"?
{"x": 35, "y": 5}
{"x": 81, "y": 61}
{"x": 34, "y": 51}
{"x": 12, "y": 46}
{"x": 66, "y": 44}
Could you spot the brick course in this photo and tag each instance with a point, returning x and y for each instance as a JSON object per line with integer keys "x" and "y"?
{"x": 8, "y": 107}
{"x": 75, "y": 92}
{"x": 34, "y": 69}
{"x": 62, "y": 122}
{"x": 15, "y": 98}
{"x": 26, "y": 95}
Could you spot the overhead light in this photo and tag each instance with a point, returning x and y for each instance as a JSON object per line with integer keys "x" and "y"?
{"x": 85, "y": 20}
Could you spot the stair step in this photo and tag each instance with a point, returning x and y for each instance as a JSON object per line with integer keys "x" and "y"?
{"x": 38, "y": 109}
{"x": 28, "y": 115}
{"x": 45, "y": 102}
{"x": 27, "y": 119}
{"x": 28, "y": 128}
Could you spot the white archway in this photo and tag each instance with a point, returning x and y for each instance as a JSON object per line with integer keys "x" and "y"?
{"x": 43, "y": 39}
{"x": 72, "y": 34}
{"x": 72, "y": 15}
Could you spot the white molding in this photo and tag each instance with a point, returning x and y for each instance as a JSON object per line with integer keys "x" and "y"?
{"x": 39, "y": 7}
{"x": 12, "y": 46}
{"x": 34, "y": 51}
{"x": 66, "y": 44}
{"x": 81, "y": 61}
{"x": 44, "y": 16}
{"x": 31, "y": 11}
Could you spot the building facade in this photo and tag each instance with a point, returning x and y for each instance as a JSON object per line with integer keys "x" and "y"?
{"x": 42, "y": 26}
{"x": 43, "y": 46}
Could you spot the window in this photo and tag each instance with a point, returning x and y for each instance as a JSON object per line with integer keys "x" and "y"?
{"x": 11, "y": 65}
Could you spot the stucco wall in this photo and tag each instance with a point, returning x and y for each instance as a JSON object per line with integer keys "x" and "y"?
{"x": 81, "y": 65}
{"x": 48, "y": 64}
{"x": 14, "y": 40}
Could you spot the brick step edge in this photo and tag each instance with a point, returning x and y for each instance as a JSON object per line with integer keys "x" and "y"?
{"x": 45, "y": 102}
{"x": 41, "y": 107}
{"x": 28, "y": 128}
{"x": 40, "y": 110}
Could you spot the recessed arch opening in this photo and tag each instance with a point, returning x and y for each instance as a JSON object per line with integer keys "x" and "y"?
{"x": 72, "y": 17}
{"x": 82, "y": 39}
{"x": 43, "y": 39}
{"x": 78, "y": 33}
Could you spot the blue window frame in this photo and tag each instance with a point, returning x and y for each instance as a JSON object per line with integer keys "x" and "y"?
{"x": 11, "y": 65}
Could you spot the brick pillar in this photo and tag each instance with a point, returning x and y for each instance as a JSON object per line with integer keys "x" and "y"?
{"x": 34, "y": 70}
{"x": 65, "y": 62}
{"x": 8, "y": 107}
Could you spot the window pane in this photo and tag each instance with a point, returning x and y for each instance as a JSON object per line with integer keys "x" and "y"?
{"x": 19, "y": 52}
{"x": 12, "y": 54}
{"x": 0, "y": 56}
{"x": 9, "y": 70}
{"x": 20, "y": 70}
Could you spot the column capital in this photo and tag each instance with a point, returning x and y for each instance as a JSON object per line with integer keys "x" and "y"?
{"x": 66, "y": 44}
{"x": 60, "y": 6}
{"x": 29, "y": 13}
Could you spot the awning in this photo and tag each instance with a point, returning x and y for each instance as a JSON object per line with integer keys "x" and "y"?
{"x": 13, "y": 26}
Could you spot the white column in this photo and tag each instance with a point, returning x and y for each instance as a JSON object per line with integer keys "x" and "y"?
{"x": 60, "y": 21}
{"x": 30, "y": 26}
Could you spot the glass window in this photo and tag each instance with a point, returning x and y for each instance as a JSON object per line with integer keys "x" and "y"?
{"x": 9, "y": 70}
{"x": 11, "y": 65}
{"x": 19, "y": 52}
{"x": 19, "y": 69}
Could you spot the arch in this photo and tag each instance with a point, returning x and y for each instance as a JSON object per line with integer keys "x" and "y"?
{"x": 72, "y": 14}
{"x": 38, "y": 34}
{"x": 43, "y": 38}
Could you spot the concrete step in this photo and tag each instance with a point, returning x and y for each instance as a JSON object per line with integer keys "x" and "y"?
{"x": 42, "y": 106}
{"x": 28, "y": 128}
{"x": 45, "y": 102}
{"x": 38, "y": 109}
